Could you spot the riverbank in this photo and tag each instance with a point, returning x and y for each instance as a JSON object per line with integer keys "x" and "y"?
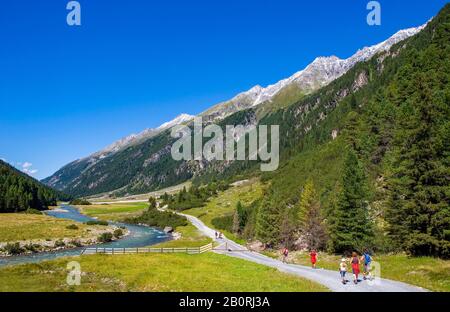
{"x": 33, "y": 233}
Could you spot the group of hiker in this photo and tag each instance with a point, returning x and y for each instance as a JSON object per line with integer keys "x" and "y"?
{"x": 219, "y": 235}
{"x": 355, "y": 261}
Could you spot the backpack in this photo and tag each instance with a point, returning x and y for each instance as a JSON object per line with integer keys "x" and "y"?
{"x": 367, "y": 258}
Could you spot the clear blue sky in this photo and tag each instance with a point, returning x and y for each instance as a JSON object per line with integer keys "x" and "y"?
{"x": 66, "y": 92}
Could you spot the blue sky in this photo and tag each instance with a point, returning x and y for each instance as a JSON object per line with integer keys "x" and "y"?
{"x": 66, "y": 92}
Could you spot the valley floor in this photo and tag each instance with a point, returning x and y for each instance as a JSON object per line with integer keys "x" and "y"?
{"x": 154, "y": 272}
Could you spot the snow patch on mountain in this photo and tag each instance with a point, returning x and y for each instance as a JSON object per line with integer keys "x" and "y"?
{"x": 323, "y": 70}
{"x": 147, "y": 133}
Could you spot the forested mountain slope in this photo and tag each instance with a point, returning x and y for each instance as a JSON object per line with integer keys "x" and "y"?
{"x": 141, "y": 163}
{"x": 19, "y": 192}
{"x": 383, "y": 182}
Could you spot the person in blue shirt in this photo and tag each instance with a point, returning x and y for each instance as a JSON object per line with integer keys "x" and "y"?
{"x": 366, "y": 258}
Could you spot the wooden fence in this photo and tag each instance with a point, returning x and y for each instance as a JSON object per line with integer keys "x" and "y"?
{"x": 126, "y": 251}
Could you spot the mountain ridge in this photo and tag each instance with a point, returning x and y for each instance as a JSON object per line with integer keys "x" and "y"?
{"x": 318, "y": 74}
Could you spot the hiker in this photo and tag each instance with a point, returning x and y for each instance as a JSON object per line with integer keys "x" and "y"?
{"x": 343, "y": 270}
{"x": 367, "y": 258}
{"x": 217, "y": 234}
{"x": 285, "y": 253}
{"x": 313, "y": 256}
{"x": 355, "y": 267}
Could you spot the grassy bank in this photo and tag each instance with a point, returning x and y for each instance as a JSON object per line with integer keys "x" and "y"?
{"x": 22, "y": 227}
{"x": 114, "y": 211}
{"x": 426, "y": 272}
{"x": 154, "y": 272}
{"x": 190, "y": 237}
{"x": 224, "y": 204}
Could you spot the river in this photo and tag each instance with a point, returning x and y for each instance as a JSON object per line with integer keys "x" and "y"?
{"x": 139, "y": 236}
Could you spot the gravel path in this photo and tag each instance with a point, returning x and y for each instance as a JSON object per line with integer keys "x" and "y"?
{"x": 328, "y": 278}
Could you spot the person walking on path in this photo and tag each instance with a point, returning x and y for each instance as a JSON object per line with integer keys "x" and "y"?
{"x": 285, "y": 253}
{"x": 313, "y": 256}
{"x": 343, "y": 270}
{"x": 367, "y": 258}
{"x": 355, "y": 267}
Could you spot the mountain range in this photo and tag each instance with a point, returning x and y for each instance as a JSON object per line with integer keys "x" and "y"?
{"x": 141, "y": 162}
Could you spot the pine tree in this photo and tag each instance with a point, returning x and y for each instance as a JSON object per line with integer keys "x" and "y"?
{"x": 311, "y": 222}
{"x": 307, "y": 198}
{"x": 239, "y": 218}
{"x": 152, "y": 203}
{"x": 350, "y": 226}
{"x": 268, "y": 222}
{"x": 419, "y": 210}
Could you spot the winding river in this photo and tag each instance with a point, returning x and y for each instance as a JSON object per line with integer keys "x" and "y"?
{"x": 139, "y": 236}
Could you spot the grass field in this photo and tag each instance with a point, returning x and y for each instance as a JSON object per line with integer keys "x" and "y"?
{"x": 114, "y": 211}
{"x": 154, "y": 272}
{"x": 426, "y": 272}
{"x": 225, "y": 203}
{"x": 22, "y": 227}
{"x": 190, "y": 237}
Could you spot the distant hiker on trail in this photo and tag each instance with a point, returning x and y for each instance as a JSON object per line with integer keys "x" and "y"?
{"x": 285, "y": 253}
{"x": 217, "y": 235}
{"x": 313, "y": 256}
{"x": 220, "y": 235}
{"x": 343, "y": 270}
{"x": 367, "y": 258}
{"x": 355, "y": 267}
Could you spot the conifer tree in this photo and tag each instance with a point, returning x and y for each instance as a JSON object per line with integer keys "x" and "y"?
{"x": 311, "y": 222}
{"x": 350, "y": 226}
{"x": 419, "y": 208}
{"x": 268, "y": 222}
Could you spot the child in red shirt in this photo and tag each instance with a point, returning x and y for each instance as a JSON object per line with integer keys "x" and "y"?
{"x": 313, "y": 256}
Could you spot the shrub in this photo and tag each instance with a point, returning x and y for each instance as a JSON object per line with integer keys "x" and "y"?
{"x": 72, "y": 227}
{"x": 118, "y": 233}
{"x": 76, "y": 243}
{"x": 105, "y": 237}
{"x": 32, "y": 247}
{"x": 97, "y": 222}
{"x": 33, "y": 211}
{"x": 223, "y": 223}
{"x": 159, "y": 219}
{"x": 59, "y": 243}
{"x": 80, "y": 202}
{"x": 13, "y": 249}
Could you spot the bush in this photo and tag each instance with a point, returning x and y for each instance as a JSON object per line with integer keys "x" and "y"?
{"x": 159, "y": 219}
{"x": 76, "y": 243}
{"x": 31, "y": 247}
{"x": 33, "y": 211}
{"x": 80, "y": 202}
{"x": 118, "y": 233}
{"x": 13, "y": 249}
{"x": 72, "y": 227}
{"x": 59, "y": 243}
{"x": 223, "y": 223}
{"x": 105, "y": 237}
{"x": 97, "y": 222}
